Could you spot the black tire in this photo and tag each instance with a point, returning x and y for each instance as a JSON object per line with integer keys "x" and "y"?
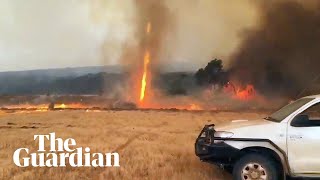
{"x": 270, "y": 167}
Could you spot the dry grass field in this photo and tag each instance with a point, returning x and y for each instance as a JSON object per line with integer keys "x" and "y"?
{"x": 151, "y": 144}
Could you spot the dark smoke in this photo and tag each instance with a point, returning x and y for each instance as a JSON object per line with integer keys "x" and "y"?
{"x": 158, "y": 15}
{"x": 282, "y": 55}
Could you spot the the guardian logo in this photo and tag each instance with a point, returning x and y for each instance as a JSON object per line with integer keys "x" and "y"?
{"x": 62, "y": 153}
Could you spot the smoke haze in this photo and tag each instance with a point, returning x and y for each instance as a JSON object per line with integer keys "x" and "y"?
{"x": 270, "y": 44}
{"x": 185, "y": 32}
{"x": 281, "y": 55}
{"x": 52, "y": 34}
{"x": 190, "y": 33}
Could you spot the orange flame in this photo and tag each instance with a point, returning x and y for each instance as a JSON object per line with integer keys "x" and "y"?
{"x": 146, "y": 62}
{"x": 61, "y": 106}
{"x": 247, "y": 93}
{"x": 194, "y": 107}
{"x": 148, "y": 28}
{"x": 144, "y": 76}
{"x": 241, "y": 92}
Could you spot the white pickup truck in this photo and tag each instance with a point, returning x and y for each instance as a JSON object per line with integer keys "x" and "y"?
{"x": 285, "y": 144}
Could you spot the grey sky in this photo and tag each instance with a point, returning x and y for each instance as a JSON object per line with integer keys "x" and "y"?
{"x": 36, "y": 34}
{"x": 47, "y": 34}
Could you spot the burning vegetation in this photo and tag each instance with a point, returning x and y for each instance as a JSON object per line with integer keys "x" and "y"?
{"x": 149, "y": 88}
{"x": 146, "y": 61}
{"x": 151, "y": 22}
{"x": 278, "y": 57}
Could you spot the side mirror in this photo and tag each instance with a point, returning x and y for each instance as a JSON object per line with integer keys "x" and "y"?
{"x": 301, "y": 120}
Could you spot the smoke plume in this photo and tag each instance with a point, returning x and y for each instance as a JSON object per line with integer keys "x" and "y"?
{"x": 187, "y": 33}
{"x": 156, "y": 14}
{"x": 151, "y": 20}
{"x": 281, "y": 55}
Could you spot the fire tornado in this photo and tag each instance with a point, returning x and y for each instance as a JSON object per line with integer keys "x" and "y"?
{"x": 146, "y": 62}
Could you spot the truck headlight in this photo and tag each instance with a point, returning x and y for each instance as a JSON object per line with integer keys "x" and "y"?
{"x": 222, "y": 134}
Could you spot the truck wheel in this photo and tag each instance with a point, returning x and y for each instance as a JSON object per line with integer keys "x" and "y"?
{"x": 256, "y": 166}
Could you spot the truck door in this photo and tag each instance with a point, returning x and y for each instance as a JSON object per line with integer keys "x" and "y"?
{"x": 304, "y": 142}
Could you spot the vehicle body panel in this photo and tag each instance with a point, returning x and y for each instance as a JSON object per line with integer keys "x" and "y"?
{"x": 304, "y": 145}
{"x": 297, "y": 148}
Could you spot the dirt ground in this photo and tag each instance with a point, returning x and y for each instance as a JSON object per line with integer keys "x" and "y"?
{"x": 151, "y": 144}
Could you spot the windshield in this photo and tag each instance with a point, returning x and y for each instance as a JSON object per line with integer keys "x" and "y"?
{"x": 288, "y": 109}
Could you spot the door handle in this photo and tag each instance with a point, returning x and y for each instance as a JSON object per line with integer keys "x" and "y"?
{"x": 295, "y": 137}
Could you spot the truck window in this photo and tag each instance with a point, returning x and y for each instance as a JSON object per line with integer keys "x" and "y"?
{"x": 309, "y": 118}
{"x": 313, "y": 112}
{"x": 289, "y": 109}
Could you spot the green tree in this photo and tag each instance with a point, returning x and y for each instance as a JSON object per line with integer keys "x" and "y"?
{"x": 212, "y": 74}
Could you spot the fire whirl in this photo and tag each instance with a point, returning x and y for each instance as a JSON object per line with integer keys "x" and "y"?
{"x": 144, "y": 76}
{"x": 145, "y": 68}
